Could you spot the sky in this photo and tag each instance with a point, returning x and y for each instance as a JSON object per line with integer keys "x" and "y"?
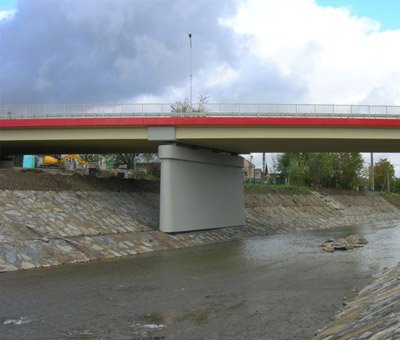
{"x": 265, "y": 51}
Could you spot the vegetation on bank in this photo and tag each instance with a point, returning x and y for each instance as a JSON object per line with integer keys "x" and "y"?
{"x": 392, "y": 198}
{"x": 343, "y": 170}
{"x": 261, "y": 188}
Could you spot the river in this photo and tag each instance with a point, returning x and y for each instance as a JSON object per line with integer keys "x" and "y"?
{"x": 275, "y": 287}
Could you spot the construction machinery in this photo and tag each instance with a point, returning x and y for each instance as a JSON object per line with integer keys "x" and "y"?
{"x": 49, "y": 161}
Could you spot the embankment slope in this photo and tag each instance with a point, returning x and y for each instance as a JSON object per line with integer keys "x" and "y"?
{"x": 56, "y": 217}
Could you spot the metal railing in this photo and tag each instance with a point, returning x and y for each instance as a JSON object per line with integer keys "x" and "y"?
{"x": 203, "y": 110}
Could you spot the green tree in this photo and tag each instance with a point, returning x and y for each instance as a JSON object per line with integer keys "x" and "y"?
{"x": 320, "y": 169}
{"x": 148, "y": 158}
{"x": 396, "y": 186}
{"x": 383, "y": 172}
{"x": 293, "y": 166}
{"x": 116, "y": 159}
{"x": 90, "y": 157}
{"x": 347, "y": 168}
{"x": 341, "y": 170}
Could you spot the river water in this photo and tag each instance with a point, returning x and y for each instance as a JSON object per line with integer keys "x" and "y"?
{"x": 276, "y": 287}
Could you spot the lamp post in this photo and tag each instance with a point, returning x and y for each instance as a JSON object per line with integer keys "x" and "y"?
{"x": 190, "y": 38}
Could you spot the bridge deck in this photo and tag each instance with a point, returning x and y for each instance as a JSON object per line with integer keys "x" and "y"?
{"x": 256, "y": 130}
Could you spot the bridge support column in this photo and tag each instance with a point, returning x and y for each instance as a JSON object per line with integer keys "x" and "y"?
{"x": 200, "y": 189}
{"x": 6, "y": 163}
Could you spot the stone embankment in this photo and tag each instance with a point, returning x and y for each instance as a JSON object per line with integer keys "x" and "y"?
{"x": 45, "y": 228}
{"x": 373, "y": 314}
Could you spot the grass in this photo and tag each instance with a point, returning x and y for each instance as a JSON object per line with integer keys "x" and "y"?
{"x": 391, "y": 198}
{"x": 260, "y": 188}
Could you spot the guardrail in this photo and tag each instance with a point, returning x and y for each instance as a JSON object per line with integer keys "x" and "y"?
{"x": 197, "y": 110}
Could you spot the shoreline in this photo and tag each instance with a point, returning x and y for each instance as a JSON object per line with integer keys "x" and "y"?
{"x": 46, "y": 228}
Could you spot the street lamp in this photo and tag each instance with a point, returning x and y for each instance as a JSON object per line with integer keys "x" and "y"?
{"x": 190, "y": 38}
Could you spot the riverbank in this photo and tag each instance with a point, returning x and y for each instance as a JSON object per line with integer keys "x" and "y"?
{"x": 373, "y": 314}
{"x": 42, "y": 228}
{"x": 278, "y": 287}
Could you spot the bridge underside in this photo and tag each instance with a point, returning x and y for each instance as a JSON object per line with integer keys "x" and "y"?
{"x": 230, "y": 138}
{"x": 230, "y": 145}
{"x": 200, "y": 189}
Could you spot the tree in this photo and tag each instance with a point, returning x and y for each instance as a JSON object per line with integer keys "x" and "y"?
{"x": 396, "y": 186}
{"x": 117, "y": 159}
{"x": 148, "y": 158}
{"x": 383, "y": 172}
{"x": 320, "y": 169}
{"x": 347, "y": 169}
{"x": 185, "y": 106}
{"x": 340, "y": 170}
{"x": 293, "y": 166}
{"x": 91, "y": 157}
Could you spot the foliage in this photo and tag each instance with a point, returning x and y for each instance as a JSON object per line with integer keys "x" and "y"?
{"x": 90, "y": 157}
{"x": 148, "y": 158}
{"x": 382, "y": 169}
{"x": 320, "y": 170}
{"x": 185, "y": 106}
{"x": 260, "y": 188}
{"x": 292, "y": 166}
{"x": 116, "y": 159}
{"x": 347, "y": 169}
{"x": 18, "y": 160}
{"x": 396, "y": 186}
{"x": 327, "y": 170}
{"x": 391, "y": 198}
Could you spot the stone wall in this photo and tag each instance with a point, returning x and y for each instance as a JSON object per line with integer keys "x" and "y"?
{"x": 45, "y": 228}
{"x": 373, "y": 314}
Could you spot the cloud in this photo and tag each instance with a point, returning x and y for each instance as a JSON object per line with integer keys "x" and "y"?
{"x": 339, "y": 58}
{"x": 105, "y": 51}
{"x": 243, "y": 51}
{"x": 7, "y": 15}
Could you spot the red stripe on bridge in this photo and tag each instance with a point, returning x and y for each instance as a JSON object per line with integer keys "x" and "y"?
{"x": 196, "y": 121}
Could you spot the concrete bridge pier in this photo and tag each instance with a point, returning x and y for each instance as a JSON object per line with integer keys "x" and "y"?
{"x": 6, "y": 163}
{"x": 200, "y": 189}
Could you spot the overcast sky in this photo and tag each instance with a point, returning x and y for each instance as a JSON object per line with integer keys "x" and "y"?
{"x": 287, "y": 51}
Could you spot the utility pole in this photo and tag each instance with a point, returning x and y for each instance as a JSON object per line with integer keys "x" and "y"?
{"x": 263, "y": 165}
{"x": 190, "y": 38}
{"x": 372, "y": 172}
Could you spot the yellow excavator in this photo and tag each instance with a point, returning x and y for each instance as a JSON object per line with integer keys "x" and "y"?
{"x": 49, "y": 161}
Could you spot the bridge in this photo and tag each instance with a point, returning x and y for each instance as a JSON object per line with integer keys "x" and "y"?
{"x": 201, "y": 185}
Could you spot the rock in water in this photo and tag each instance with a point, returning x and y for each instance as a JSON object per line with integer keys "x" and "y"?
{"x": 362, "y": 240}
{"x": 351, "y": 239}
{"x": 329, "y": 249}
{"x": 339, "y": 246}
